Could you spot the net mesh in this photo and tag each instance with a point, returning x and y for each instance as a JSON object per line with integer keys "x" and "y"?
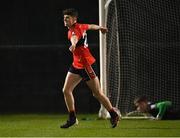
{"x": 143, "y": 51}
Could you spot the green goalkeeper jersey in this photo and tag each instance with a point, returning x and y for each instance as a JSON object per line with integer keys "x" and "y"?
{"x": 160, "y": 109}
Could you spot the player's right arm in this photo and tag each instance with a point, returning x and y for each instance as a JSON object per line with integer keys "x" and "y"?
{"x": 162, "y": 106}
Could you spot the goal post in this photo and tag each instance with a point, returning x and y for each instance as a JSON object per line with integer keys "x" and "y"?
{"x": 109, "y": 66}
{"x": 102, "y": 49}
{"x": 105, "y": 57}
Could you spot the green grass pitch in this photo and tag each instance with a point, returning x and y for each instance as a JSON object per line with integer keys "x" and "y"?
{"x": 47, "y": 125}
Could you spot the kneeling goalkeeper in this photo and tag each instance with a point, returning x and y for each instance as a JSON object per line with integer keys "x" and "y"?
{"x": 161, "y": 110}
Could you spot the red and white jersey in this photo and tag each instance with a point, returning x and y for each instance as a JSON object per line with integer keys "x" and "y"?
{"x": 81, "y": 55}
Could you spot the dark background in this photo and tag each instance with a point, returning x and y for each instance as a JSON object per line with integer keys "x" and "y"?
{"x": 35, "y": 58}
{"x": 27, "y": 22}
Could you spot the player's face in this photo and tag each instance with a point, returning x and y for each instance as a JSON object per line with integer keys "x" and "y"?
{"x": 142, "y": 106}
{"x": 69, "y": 20}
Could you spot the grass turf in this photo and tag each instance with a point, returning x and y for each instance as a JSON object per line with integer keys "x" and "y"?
{"x": 45, "y": 125}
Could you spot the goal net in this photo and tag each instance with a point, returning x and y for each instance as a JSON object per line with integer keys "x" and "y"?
{"x": 143, "y": 51}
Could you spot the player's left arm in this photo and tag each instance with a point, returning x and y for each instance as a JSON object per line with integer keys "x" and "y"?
{"x": 97, "y": 27}
{"x": 162, "y": 106}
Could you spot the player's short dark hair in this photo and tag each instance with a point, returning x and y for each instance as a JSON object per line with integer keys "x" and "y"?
{"x": 72, "y": 12}
{"x": 140, "y": 99}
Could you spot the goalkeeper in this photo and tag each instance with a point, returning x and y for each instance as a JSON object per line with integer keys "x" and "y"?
{"x": 160, "y": 110}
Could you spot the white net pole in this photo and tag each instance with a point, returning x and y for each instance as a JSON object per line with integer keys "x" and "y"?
{"x": 102, "y": 43}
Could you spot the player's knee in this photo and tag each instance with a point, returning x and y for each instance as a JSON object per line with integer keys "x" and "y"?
{"x": 66, "y": 91}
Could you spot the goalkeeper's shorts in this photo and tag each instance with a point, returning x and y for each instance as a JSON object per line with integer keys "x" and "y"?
{"x": 88, "y": 73}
